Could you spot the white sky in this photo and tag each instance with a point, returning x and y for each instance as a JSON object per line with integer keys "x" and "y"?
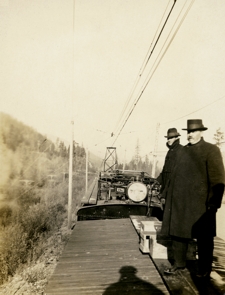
{"x": 52, "y": 71}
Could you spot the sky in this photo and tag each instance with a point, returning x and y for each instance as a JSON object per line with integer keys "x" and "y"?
{"x": 81, "y": 61}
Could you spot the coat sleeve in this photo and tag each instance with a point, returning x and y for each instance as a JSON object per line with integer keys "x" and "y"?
{"x": 159, "y": 178}
{"x": 216, "y": 177}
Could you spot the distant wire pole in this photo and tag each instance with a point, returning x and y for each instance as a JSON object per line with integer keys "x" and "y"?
{"x": 155, "y": 150}
{"x": 70, "y": 188}
{"x": 86, "y": 182}
{"x": 70, "y": 185}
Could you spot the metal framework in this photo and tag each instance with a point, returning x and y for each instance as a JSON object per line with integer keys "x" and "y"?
{"x": 110, "y": 161}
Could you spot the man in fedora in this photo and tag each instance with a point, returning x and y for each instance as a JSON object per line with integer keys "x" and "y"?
{"x": 173, "y": 144}
{"x": 194, "y": 195}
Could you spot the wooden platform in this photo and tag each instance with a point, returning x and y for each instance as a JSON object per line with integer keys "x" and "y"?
{"x": 184, "y": 282}
{"x": 103, "y": 257}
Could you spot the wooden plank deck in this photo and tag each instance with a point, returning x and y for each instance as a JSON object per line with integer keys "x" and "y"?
{"x": 103, "y": 257}
{"x": 184, "y": 283}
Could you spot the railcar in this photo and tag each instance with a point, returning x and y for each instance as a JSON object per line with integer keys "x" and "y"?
{"x": 120, "y": 194}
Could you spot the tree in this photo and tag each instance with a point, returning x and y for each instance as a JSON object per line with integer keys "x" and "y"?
{"x": 62, "y": 150}
{"x": 137, "y": 155}
{"x": 218, "y": 137}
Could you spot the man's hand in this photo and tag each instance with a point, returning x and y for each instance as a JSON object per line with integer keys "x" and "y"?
{"x": 163, "y": 201}
{"x": 212, "y": 208}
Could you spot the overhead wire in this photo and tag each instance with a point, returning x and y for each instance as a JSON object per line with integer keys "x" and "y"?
{"x": 111, "y": 136}
{"x": 152, "y": 73}
{"x": 160, "y": 33}
{"x": 102, "y": 141}
{"x": 157, "y": 40}
{"x": 195, "y": 110}
{"x": 145, "y": 62}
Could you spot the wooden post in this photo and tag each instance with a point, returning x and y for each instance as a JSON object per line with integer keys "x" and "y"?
{"x": 70, "y": 188}
{"x": 124, "y": 160}
{"x": 86, "y": 187}
{"x": 155, "y": 151}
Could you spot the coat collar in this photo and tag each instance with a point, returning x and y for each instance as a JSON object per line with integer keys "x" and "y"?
{"x": 198, "y": 143}
{"x": 175, "y": 144}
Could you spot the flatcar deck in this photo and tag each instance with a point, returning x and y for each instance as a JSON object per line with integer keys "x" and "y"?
{"x": 184, "y": 282}
{"x": 103, "y": 257}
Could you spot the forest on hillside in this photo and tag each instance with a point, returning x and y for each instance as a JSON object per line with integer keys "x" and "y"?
{"x": 33, "y": 191}
{"x": 27, "y": 154}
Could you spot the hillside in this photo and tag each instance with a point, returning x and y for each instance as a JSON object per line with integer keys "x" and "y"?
{"x": 34, "y": 204}
{"x": 23, "y": 149}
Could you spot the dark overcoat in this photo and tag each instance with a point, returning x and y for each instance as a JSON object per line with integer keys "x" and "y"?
{"x": 169, "y": 163}
{"x": 197, "y": 175}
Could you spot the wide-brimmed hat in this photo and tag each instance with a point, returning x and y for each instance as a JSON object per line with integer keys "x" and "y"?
{"x": 172, "y": 132}
{"x": 194, "y": 125}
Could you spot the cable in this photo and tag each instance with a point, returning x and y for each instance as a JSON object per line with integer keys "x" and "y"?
{"x": 102, "y": 141}
{"x": 149, "y": 78}
{"x": 195, "y": 111}
{"x": 160, "y": 32}
{"x": 145, "y": 62}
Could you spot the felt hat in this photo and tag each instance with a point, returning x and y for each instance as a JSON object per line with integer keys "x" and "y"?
{"x": 172, "y": 132}
{"x": 194, "y": 125}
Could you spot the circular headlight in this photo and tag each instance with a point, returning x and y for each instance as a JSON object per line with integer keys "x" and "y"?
{"x": 137, "y": 191}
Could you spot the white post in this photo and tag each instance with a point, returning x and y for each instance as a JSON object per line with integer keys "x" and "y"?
{"x": 154, "y": 165}
{"x": 155, "y": 151}
{"x": 70, "y": 188}
{"x": 124, "y": 160}
{"x": 86, "y": 187}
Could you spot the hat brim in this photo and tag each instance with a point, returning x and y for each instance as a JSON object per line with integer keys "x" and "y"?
{"x": 173, "y": 136}
{"x": 196, "y": 129}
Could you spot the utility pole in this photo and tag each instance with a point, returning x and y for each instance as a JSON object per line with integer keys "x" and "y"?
{"x": 70, "y": 188}
{"x": 86, "y": 187}
{"x": 124, "y": 160}
{"x": 137, "y": 154}
{"x": 155, "y": 150}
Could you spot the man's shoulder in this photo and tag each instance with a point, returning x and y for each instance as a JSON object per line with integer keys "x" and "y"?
{"x": 179, "y": 146}
{"x": 209, "y": 145}
{"x": 204, "y": 144}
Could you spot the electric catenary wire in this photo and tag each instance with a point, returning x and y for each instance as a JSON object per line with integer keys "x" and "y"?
{"x": 195, "y": 110}
{"x": 145, "y": 62}
{"x": 142, "y": 91}
{"x": 160, "y": 33}
{"x": 131, "y": 108}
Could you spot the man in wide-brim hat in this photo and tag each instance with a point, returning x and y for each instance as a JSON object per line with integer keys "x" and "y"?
{"x": 195, "y": 125}
{"x": 194, "y": 195}
{"x": 173, "y": 144}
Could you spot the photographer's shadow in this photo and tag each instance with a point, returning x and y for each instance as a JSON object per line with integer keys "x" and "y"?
{"x": 130, "y": 284}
